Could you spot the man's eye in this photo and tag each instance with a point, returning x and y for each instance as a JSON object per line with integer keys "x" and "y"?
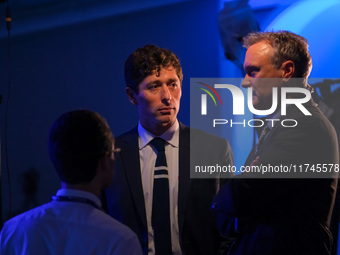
{"x": 252, "y": 73}
{"x": 173, "y": 85}
{"x": 153, "y": 87}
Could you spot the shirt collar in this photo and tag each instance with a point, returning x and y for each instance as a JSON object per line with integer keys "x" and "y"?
{"x": 171, "y": 136}
{"x": 79, "y": 193}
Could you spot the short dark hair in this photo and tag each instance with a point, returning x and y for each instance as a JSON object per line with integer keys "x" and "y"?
{"x": 147, "y": 60}
{"x": 77, "y": 140}
{"x": 287, "y": 46}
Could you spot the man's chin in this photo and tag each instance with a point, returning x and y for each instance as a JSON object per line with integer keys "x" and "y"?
{"x": 167, "y": 120}
{"x": 259, "y": 104}
{"x": 256, "y": 103}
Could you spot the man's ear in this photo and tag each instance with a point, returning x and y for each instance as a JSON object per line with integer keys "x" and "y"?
{"x": 132, "y": 95}
{"x": 105, "y": 170}
{"x": 288, "y": 69}
{"x": 102, "y": 165}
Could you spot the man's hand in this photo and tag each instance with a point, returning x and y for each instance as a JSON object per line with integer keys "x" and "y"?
{"x": 255, "y": 161}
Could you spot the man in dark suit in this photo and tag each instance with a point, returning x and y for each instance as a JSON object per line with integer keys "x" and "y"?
{"x": 290, "y": 212}
{"x": 154, "y": 79}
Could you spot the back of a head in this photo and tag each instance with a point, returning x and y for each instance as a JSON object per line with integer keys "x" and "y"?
{"x": 286, "y": 46}
{"x": 77, "y": 140}
{"x": 147, "y": 60}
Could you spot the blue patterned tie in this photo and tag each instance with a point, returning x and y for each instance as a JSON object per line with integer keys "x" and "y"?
{"x": 160, "y": 219}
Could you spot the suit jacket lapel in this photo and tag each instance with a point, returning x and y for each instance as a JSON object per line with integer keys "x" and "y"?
{"x": 251, "y": 157}
{"x": 252, "y": 154}
{"x": 184, "y": 173}
{"x": 131, "y": 162}
{"x": 290, "y": 111}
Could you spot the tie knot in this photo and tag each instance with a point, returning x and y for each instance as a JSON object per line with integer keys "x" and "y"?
{"x": 158, "y": 143}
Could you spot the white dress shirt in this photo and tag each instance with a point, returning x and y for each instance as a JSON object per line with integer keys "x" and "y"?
{"x": 67, "y": 227}
{"x": 147, "y": 163}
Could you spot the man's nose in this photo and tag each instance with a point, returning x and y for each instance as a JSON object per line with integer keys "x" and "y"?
{"x": 166, "y": 94}
{"x": 246, "y": 82}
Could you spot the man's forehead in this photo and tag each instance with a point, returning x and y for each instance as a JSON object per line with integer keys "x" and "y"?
{"x": 258, "y": 53}
{"x": 162, "y": 68}
{"x": 260, "y": 48}
{"x": 168, "y": 73}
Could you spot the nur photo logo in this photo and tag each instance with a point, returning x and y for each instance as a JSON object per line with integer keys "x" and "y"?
{"x": 281, "y": 99}
{"x": 238, "y": 99}
{"x": 204, "y": 98}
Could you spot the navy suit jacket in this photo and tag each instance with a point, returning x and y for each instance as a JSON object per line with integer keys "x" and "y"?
{"x": 125, "y": 199}
{"x": 286, "y": 216}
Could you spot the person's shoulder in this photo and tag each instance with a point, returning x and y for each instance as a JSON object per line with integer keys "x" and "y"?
{"x": 133, "y": 131}
{"x": 201, "y": 136}
{"x": 316, "y": 121}
{"x": 131, "y": 134}
{"x": 205, "y": 146}
{"x": 27, "y": 219}
{"x": 311, "y": 113}
{"x": 23, "y": 232}
{"x": 109, "y": 224}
